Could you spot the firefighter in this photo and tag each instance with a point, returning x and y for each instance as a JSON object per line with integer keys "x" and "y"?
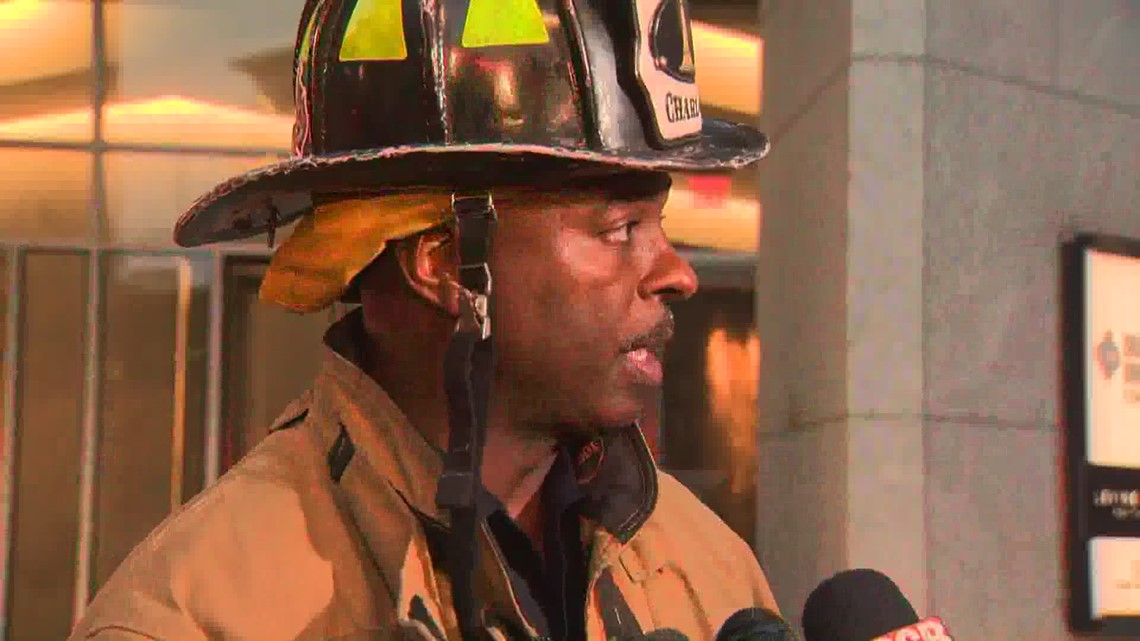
{"x": 484, "y": 181}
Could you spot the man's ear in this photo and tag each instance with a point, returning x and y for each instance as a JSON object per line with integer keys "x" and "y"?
{"x": 428, "y": 265}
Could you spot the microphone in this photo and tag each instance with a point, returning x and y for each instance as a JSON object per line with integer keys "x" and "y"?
{"x": 749, "y": 624}
{"x": 754, "y": 624}
{"x": 865, "y": 605}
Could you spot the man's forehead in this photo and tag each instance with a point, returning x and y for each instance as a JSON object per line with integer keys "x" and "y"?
{"x": 619, "y": 189}
{"x": 628, "y": 186}
{"x": 608, "y": 190}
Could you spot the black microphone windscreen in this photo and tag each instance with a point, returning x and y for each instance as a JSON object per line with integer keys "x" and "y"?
{"x": 665, "y": 634}
{"x": 856, "y": 605}
{"x": 754, "y": 624}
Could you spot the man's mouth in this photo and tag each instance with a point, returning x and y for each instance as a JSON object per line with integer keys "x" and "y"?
{"x": 645, "y": 353}
{"x": 645, "y": 364}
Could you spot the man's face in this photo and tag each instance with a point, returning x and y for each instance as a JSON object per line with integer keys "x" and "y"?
{"x": 581, "y": 283}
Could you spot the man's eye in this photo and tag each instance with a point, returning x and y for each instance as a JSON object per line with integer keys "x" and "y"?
{"x": 621, "y": 234}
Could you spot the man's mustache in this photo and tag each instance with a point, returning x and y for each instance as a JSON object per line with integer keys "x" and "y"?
{"x": 655, "y": 339}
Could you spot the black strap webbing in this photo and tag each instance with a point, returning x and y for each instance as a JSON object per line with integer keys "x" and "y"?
{"x": 340, "y": 454}
{"x": 468, "y": 369}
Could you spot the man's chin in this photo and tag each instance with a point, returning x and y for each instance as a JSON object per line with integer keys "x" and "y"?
{"x": 619, "y": 410}
{"x": 591, "y": 428}
{"x": 620, "y": 416}
{"x": 597, "y": 423}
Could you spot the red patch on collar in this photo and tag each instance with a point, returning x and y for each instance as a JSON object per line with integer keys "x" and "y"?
{"x": 589, "y": 460}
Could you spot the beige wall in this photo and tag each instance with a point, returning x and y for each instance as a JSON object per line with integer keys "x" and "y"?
{"x": 929, "y": 158}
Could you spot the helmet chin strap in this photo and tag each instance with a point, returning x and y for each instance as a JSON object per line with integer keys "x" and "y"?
{"x": 468, "y": 370}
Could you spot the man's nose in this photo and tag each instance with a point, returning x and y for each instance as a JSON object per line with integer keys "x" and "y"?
{"x": 672, "y": 277}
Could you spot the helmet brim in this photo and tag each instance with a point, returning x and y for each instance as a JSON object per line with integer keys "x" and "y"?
{"x": 274, "y": 195}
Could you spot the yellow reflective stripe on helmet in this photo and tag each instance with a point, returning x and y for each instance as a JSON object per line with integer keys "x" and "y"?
{"x": 375, "y": 32}
{"x": 504, "y": 22}
{"x": 307, "y": 39}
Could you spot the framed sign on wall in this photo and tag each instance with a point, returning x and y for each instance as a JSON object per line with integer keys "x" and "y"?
{"x": 1101, "y": 345}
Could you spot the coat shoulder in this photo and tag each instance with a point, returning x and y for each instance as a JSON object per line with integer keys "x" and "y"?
{"x": 686, "y": 533}
{"x": 253, "y": 555}
{"x": 677, "y": 504}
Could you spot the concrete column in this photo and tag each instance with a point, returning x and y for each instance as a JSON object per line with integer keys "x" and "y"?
{"x": 928, "y": 159}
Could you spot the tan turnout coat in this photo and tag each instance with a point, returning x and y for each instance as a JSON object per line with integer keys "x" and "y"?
{"x": 323, "y": 532}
